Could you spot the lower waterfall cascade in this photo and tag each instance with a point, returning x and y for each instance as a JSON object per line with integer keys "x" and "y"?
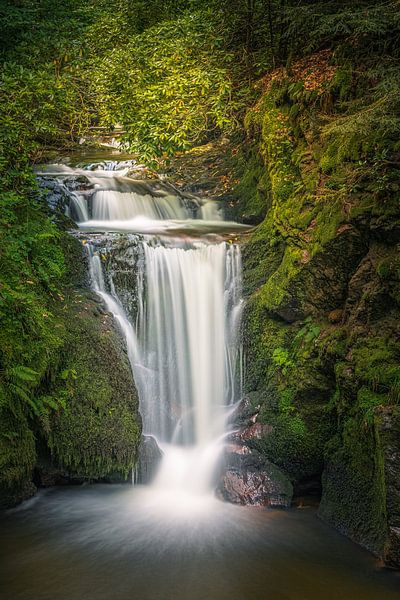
{"x": 183, "y": 340}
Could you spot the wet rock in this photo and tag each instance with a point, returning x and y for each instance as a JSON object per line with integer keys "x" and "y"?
{"x": 389, "y": 433}
{"x": 149, "y": 459}
{"x": 249, "y": 479}
{"x": 256, "y": 431}
{"x": 13, "y": 496}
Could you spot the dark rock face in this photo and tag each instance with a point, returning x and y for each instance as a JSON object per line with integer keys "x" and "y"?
{"x": 361, "y": 487}
{"x": 249, "y": 479}
{"x": 97, "y": 435}
{"x": 17, "y": 457}
{"x": 389, "y": 432}
{"x": 149, "y": 460}
{"x": 12, "y": 496}
{"x": 320, "y": 331}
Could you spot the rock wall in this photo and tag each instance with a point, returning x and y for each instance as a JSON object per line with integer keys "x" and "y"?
{"x": 96, "y": 435}
{"x": 320, "y": 329}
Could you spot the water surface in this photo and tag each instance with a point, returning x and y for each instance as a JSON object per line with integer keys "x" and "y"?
{"x": 123, "y": 543}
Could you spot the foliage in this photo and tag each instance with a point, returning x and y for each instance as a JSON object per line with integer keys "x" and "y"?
{"x": 169, "y": 87}
{"x": 307, "y": 334}
{"x": 281, "y": 358}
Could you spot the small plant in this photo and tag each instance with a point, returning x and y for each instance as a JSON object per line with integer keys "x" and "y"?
{"x": 307, "y": 334}
{"x": 281, "y": 358}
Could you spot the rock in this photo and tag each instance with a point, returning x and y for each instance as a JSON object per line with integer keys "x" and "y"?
{"x": 17, "y": 456}
{"x": 336, "y": 316}
{"x": 13, "y": 496}
{"x": 392, "y": 548}
{"x": 361, "y": 485}
{"x": 149, "y": 459}
{"x": 256, "y": 431}
{"x": 96, "y": 436}
{"x": 389, "y": 433}
{"x": 330, "y": 269}
{"x": 248, "y": 479}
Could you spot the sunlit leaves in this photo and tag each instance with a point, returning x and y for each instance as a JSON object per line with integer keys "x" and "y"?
{"x": 169, "y": 86}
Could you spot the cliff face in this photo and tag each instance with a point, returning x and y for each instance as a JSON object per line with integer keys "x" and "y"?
{"x": 322, "y": 279}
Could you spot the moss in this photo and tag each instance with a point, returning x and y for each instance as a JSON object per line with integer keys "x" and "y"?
{"x": 97, "y": 434}
{"x": 388, "y": 268}
{"x": 17, "y": 456}
{"x": 252, "y": 192}
{"x": 262, "y": 254}
{"x": 275, "y": 289}
{"x": 376, "y": 361}
{"x": 354, "y": 494}
{"x": 286, "y": 386}
{"x": 321, "y": 321}
{"x": 76, "y": 275}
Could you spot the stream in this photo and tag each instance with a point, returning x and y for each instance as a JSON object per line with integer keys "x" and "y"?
{"x": 168, "y": 268}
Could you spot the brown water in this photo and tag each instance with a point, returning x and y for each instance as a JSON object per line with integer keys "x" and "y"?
{"x": 122, "y": 543}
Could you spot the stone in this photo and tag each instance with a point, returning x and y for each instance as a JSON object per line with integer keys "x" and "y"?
{"x": 248, "y": 479}
{"x": 149, "y": 459}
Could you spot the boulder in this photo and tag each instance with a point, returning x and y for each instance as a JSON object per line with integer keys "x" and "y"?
{"x": 249, "y": 479}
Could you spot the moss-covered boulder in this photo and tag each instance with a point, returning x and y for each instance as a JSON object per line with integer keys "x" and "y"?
{"x": 353, "y": 497}
{"x": 77, "y": 417}
{"x": 97, "y": 433}
{"x": 17, "y": 457}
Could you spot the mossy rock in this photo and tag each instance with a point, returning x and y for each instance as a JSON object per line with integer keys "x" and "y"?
{"x": 17, "y": 456}
{"x": 289, "y": 388}
{"x": 354, "y": 496}
{"x": 97, "y": 434}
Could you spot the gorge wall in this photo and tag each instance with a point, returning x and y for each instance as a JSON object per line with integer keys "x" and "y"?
{"x": 322, "y": 277}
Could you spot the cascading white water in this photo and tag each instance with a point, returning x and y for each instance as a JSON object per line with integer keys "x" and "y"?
{"x": 183, "y": 341}
{"x": 112, "y": 200}
{"x": 184, "y": 352}
{"x": 189, "y": 351}
{"x": 183, "y": 330}
{"x": 110, "y": 205}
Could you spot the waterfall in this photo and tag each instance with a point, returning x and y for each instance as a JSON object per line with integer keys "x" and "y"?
{"x": 182, "y": 335}
{"x": 184, "y": 351}
{"x": 108, "y": 196}
{"x": 120, "y": 206}
{"x": 188, "y": 342}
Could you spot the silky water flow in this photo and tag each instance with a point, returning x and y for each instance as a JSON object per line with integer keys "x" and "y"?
{"x": 183, "y": 345}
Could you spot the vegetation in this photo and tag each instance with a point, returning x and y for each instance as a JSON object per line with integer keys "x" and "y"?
{"x": 308, "y": 91}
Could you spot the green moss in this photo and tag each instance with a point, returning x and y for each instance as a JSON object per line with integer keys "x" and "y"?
{"x": 252, "y": 193}
{"x": 284, "y": 379}
{"x": 388, "y": 268}
{"x": 97, "y": 434}
{"x": 354, "y": 494}
{"x": 376, "y": 361}
{"x": 273, "y": 292}
{"x": 17, "y": 456}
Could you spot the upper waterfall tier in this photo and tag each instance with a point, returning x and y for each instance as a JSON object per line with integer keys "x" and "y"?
{"x": 109, "y": 200}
